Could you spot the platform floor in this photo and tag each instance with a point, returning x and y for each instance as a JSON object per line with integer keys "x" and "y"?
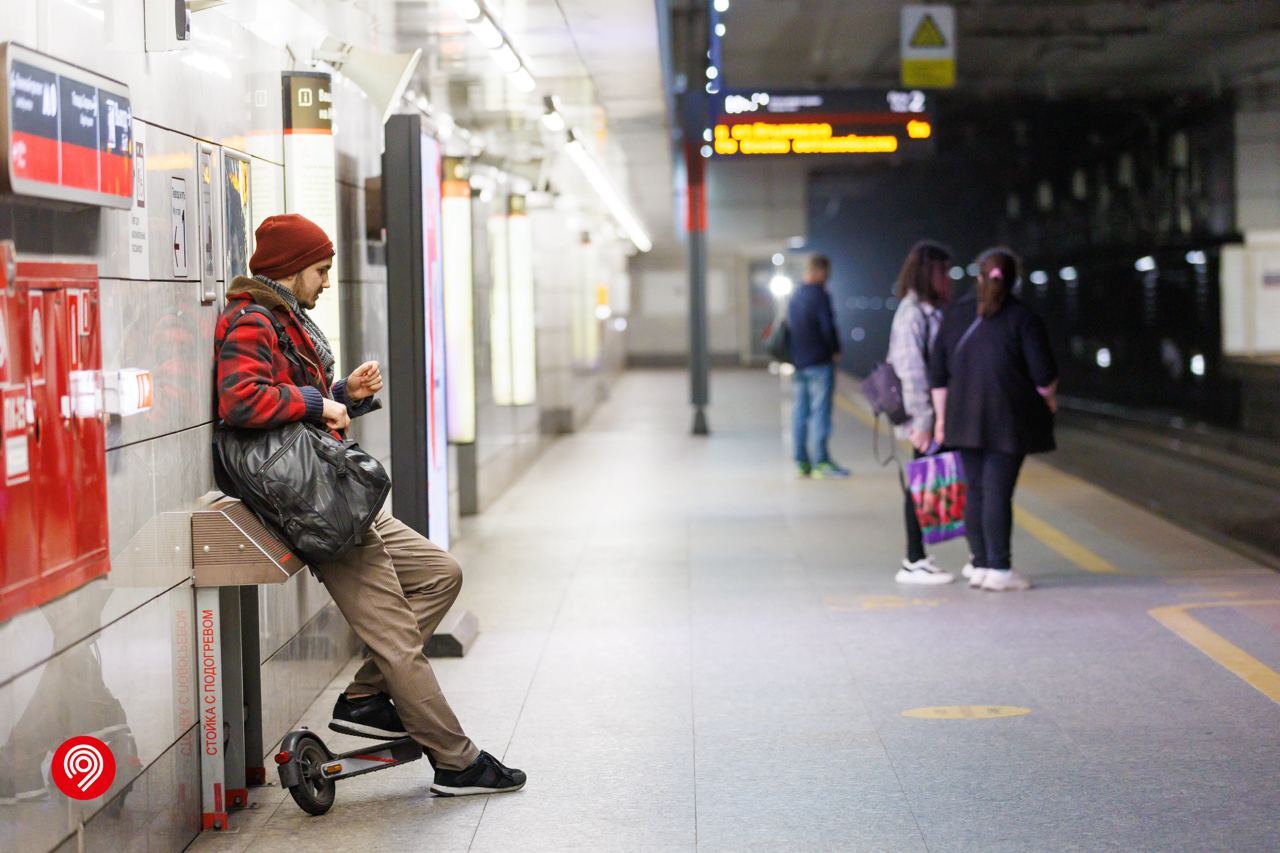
{"x": 687, "y": 648}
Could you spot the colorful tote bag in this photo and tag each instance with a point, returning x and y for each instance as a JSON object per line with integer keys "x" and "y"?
{"x": 938, "y": 491}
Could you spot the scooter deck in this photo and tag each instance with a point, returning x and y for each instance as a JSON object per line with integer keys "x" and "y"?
{"x": 357, "y": 762}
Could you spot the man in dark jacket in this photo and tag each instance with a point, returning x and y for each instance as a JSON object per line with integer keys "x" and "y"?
{"x": 396, "y": 586}
{"x": 815, "y": 348}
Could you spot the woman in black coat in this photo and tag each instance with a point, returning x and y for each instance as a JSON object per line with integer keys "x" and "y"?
{"x": 994, "y": 382}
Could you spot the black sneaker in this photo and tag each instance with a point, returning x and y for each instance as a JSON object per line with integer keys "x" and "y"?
{"x": 486, "y": 775}
{"x": 369, "y": 716}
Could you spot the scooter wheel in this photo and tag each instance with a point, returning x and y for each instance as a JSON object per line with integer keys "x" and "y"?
{"x": 314, "y": 794}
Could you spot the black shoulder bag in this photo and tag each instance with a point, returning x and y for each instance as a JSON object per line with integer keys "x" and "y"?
{"x": 318, "y": 493}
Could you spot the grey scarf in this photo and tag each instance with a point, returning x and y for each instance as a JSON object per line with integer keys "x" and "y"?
{"x": 309, "y": 326}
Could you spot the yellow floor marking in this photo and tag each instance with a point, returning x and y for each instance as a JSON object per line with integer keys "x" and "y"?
{"x": 1033, "y": 524}
{"x": 1062, "y": 543}
{"x": 1218, "y": 648}
{"x": 967, "y": 712}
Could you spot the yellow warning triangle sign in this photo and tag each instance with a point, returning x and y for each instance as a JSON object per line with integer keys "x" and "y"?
{"x": 928, "y": 34}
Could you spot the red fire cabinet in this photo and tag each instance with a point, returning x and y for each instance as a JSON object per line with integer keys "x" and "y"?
{"x": 53, "y": 499}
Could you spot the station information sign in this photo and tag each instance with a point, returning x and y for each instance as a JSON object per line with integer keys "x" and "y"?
{"x": 65, "y": 132}
{"x": 849, "y": 122}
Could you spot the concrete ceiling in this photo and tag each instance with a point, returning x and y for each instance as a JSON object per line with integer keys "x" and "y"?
{"x": 601, "y": 59}
{"x": 1049, "y": 48}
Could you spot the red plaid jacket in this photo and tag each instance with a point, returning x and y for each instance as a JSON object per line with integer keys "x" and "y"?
{"x": 257, "y": 386}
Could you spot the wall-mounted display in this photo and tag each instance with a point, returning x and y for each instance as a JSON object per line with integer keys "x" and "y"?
{"x": 459, "y": 309}
{"x": 65, "y": 132}
{"x": 856, "y": 121}
{"x": 434, "y": 325}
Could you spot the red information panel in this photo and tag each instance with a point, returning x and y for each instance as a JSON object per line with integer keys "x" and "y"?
{"x": 54, "y": 489}
{"x": 66, "y": 132}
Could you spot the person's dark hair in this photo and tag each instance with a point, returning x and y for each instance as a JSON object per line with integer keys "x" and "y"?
{"x": 820, "y": 262}
{"x": 998, "y": 274}
{"x": 917, "y": 271}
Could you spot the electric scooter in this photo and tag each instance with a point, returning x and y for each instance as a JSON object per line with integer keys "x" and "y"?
{"x": 310, "y": 771}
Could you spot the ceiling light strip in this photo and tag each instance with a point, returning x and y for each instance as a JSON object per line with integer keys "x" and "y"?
{"x": 605, "y": 188}
{"x": 491, "y": 36}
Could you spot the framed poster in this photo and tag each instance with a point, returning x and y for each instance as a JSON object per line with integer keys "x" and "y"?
{"x": 204, "y": 203}
{"x": 237, "y": 234}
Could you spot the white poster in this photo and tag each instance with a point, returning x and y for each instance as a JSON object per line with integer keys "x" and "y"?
{"x": 139, "y": 244}
{"x": 178, "y": 225}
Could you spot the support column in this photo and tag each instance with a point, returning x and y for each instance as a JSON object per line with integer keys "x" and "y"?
{"x": 696, "y": 226}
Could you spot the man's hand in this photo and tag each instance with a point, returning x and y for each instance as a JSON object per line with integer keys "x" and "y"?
{"x": 940, "y": 433}
{"x": 364, "y": 381}
{"x": 335, "y": 415}
{"x": 921, "y": 440}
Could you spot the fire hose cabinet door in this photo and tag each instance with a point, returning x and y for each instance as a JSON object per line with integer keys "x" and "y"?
{"x": 66, "y": 440}
{"x": 19, "y": 546}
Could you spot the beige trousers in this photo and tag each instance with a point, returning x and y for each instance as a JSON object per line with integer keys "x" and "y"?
{"x": 393, "y": 590}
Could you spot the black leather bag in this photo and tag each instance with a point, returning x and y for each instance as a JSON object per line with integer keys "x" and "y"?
{"x": 778, "y": 342}
{"x": 319, "y": 494}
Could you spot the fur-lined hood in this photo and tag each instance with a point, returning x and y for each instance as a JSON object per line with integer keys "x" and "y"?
{"x": 257, "y": 291}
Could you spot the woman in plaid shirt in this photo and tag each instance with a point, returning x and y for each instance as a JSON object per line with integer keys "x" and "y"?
{"x": 923, "y": 288}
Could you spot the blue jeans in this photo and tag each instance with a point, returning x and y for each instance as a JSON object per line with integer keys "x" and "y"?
{"x": 813, "y": 393}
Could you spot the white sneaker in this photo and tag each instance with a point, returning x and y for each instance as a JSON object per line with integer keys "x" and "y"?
{"x": 968, "y": 570}
{"x": 1004, "y": 581}
{"x": 922, "y": 572}
{"x": 976, "y": 577}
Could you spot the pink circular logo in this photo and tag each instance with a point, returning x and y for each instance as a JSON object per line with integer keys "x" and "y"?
{"x": 83, "y": 768}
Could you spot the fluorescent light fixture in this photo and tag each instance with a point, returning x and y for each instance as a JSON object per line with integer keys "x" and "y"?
{"x": 1197, "y": 258}
{"x": 796, "y": 242}
{"x": 553, "y": 122}
{"x": 523, "y": 80}
{"x": 505, "y": 58}
{"x": 781, "y": 286}
{"x": 1104, "y": 358}
{"x": 720, "y": 30}
{"x": 778, "y": 259}
{"x": 486, "y": 33}
{"x": 1197, "y": 365}
{"x": 1039, "y": 277}
{"x": 524, "y": 351}
{"x": 721, "y": 5}
{"x": 1068, "y": 274}
{"x": 468, "y": 10}
{"x": 620, "y": 324}
{"x": 1145, "y": 264}
{"x": 603, "y": 312}
{"x": 608, "y": 193}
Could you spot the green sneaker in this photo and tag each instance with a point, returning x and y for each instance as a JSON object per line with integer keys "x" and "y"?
{"x": 829, "y": 471}
{"x": 803, "y": 469}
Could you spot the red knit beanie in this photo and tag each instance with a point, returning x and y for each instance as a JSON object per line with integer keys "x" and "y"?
{"x": 288, "y": 244}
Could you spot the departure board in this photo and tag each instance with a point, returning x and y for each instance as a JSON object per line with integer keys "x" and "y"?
{"x": 65, "y": 132}
{"x": 797, "y": 123}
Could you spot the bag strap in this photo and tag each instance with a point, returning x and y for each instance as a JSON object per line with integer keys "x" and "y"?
{"x": 973, "y": 327}
{"x": 285, "y": 342}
